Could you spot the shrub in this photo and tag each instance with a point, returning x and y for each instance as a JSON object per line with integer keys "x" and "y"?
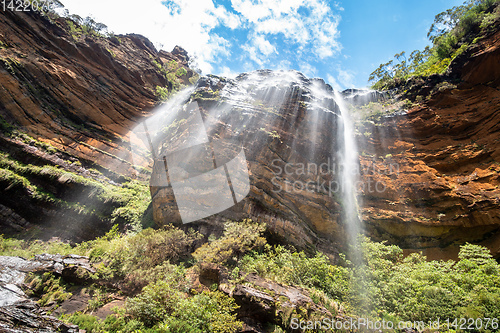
{"x": 112, "y": 323}
{"x": 47, "y": 288}
{"x": 162, "y": 93}
{"x": 28, "y": 249}
{"x": 162, "y": 304}
{"x": 413, "y": 288}
{"x": 155, "y": 303}
{"x": 238, "y": 239}
{"x": 285, "y": 266}
{"x": 141, "y": 257}
{"x": 385, "y": 284}
{"x": 205, "y": 312}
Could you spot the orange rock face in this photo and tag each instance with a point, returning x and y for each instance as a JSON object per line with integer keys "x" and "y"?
{"x": 443, "y": 188}
{"x": 81, "y": 94}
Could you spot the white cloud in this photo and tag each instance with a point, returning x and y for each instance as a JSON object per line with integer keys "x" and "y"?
{"x": 175, "y": 22}
{"x": 263, "y": 45}
{"x": 307, "y": 69}
{"x": 344, "y": 78}
{"x": 283, "y": 64}
{"x": 331, "y": 80}
{"x": 227, "y": 72}
{"x": 305, "y": 22}
{"x": 267, "y": 31}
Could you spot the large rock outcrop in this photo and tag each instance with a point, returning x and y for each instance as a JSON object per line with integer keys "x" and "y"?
{"x": 288, "y": 127}
{"x": 82, "y": 94}
{"x": 429, "y": 175}
{"x": 79, "y": 92}
{"x": 18, "y": 312}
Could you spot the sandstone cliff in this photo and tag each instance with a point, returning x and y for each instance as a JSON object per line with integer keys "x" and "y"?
{"x": 68, "y": 97}
{"x": 428, "y": 170}
{"x": 77, "y": 96}
{"x": 443, "y": 188}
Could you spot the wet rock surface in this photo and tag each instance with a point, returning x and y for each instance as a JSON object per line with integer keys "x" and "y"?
{"x": 364, "y": 96}
{"x": 27, "y": 316}
{"x": 436, "y": 165}
{"x": 287, "y": 126}
{"x": 18, "y": 313}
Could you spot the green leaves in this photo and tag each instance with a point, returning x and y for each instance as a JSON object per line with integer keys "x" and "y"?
{"x": 388, "y": 285}
{"x": 238, "y": 238}
{"x": 452, "y": 31}
{"x": 163, "y": 305}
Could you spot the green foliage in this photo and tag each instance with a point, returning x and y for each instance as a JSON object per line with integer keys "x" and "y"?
{"x": 144, "y": 257}
{"x": 5, "y": 127}
{"x": 181, "y": 72}
{"x": 28, "y": 249}
{"x": 112, "y": 324}
{"x": 272, "y": 134}
{"x": 133, "y": 199}
{"x": 85, "y": 27}
{"x": 100, "y": 297}
{"x": 383, "y": 284}
{"x": 194, "y": 78}
{"x": 210, "y": 311}
{"x": 173, "y": 73}
{"x": 155, "y": 302}
{"x": 162, "y": 304}
{"x": 451, "y": 33}
{"x": 12, "y": 65}
{"x": 47, "y": 288}
{"x": 238, "y": 238}
{"x": 413, "y": 288}
{"x": 285, "y": 266}
{"x": 162, "y": 93}
{"x": 387, "y": 285}
{"x": 129, "y": 200}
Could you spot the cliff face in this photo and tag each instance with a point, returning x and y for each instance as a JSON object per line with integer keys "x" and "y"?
{"x": 428, "y": 172}
{"x": 286, "y": 126}
{"x": 77, "y": 91}
{"x": 78, "y": 96}
{"x": 439, "y": 162}
{"x": 68, "y": 97}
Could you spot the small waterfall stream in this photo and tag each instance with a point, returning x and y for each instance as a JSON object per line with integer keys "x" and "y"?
{"x": 348, "y": 172}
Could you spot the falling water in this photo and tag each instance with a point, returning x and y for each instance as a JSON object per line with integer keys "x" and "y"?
{"x": 348, "y": 171}
{"x": 302, "y": 119}
{"x": 349, "y": 174}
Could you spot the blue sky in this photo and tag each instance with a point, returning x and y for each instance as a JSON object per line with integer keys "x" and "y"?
{"x": 341, "y": 42}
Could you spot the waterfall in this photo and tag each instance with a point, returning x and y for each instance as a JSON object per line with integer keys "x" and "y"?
{"x": 350, "y": 176}
{"x": 348, "y": 171}
{"x": 294, "y": 134}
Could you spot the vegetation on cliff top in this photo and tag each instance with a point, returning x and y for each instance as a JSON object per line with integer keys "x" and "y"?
{"x": 452, "y": 32}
